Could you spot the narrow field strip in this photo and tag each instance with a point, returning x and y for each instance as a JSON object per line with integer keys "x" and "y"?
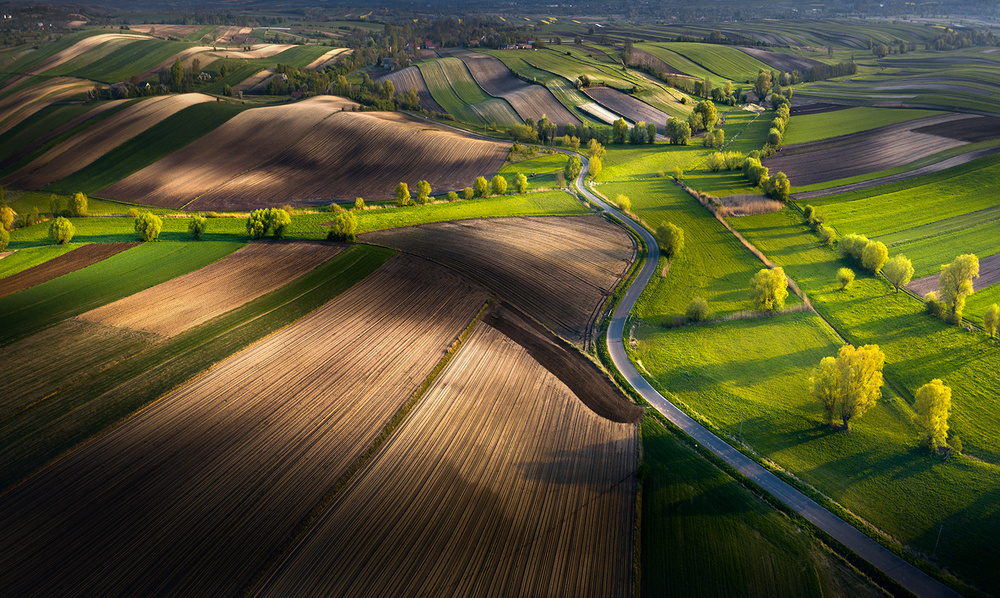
{"x": 248, "y": 448}
{"x": 57, "y": 266}
{"x": 500, "y": 483}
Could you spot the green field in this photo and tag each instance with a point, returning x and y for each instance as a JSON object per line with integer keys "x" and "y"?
{"x": 32, "y": 256}
{"x": 452, "y": 86}
{"x": 572, "y": 63}
{"x": 132, "y": 59}
{"x": 704, "y": 534}
{"x": 722, "y": 61}
{"x": 813, "y": 127}
{"x": 677, "y": 61}
{"x": 32, "y": 58}
{"x": 544, "y": 168}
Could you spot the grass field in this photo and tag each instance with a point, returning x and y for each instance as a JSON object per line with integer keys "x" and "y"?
{"x": 813, "y": 127}
{"x": 544, "y": 167}
{"x": 452, "y": 86}
{"x": 131, "y": 59}
{"x": 32, "y": 256}
{"x": 704, "y": 534}
{"x": 723, "y": 61}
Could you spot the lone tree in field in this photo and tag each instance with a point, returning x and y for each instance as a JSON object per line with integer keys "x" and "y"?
{"x": 468, "y": 193}
{"x": 850, "y": 384}
{"x": 594, "y": 167}
{"x": 697, "y": 310}
{"x": 991, "y": 319}
{"x": 874, "y": 256}
{"x": 595, "y": 149}
{"x": 359, "y": 203}
{"x": 845, "y": 276}
{"x": 898, "y": 271}
{"x": 619, "y": 131}
{"x": 768, "y": 289}
{"x": 78, "y": 204}
{"x": 481, "y": 186}
{"x": 423, "y": 192}
{"x": 196, "y": 226}
{"x": 343, "y": 227}
{"x": 933, "y": 406}
{"x": 573, "y": 168}
{"x": 498, "y": 185}
{"x": 955, "y": 284}
{"x": 7, "y": 215}
{"x": 762, "y": 84}
{"x": 403, "y": 198}
{"x": 61, "y": 230}
{"x": 671, "y": 240}
{"x": 521, "y": 183}
{"x": 148, "y": 225}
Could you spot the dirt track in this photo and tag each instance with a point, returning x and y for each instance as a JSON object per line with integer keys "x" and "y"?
{"x": 64, "y": 264}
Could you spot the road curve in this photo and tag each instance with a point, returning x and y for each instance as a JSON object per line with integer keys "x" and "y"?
{"x": 908, "y": 576}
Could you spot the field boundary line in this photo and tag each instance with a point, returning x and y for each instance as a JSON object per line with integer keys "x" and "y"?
{"x": 305, "y": 526}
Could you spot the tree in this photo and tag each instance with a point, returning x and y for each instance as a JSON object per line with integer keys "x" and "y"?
{"x": 359, "y": 203}
{"x": 991, "y": 319}
{"x": 624, "y": 203}
{"x": 423, "y": 192}
{"x": 807, "y": 213}
{"x": 481, "y": 186}
{"x": 780, "y": 186}
{"x": 521, "y": 183}
{"x": 78, "y": 205}
{"x": 762, "y": 84}
{"x": 61, "y": 230}
{"x": 697, "y": 310}
{"x": 498, "y": 185}
{"x": 452, "y": 196}
{"x": 342, "y": 227}
{"x": 7, "y": 218}
{"x": 148, "y": 225}
{"x": 768, "y": 289}
{"x": 955, "y": 284}
{"x": 176, "y": 75}
{"x": 619, "y": 130}
{"x": 671, "y": 239}
{"x": 403, "y": 195}
{"x": 196, "y": 226}
{"x": 678, "y": 132}
{"x": 594, "y": 168}
{"x": 898, "y": 271}
{"x": 257, "y": 224}
{"x": 874, "y": 256}
{"x": 933, "y": 406}
{"x": 468, "y": 193}
{"x": 637, "y": 134}
{"x": 650, "y": 133}
{"x": 278, "y": 221}
{"x": 4, "y": 238}
{"x": 845, "y": 276}
{"x": 707, "y": 114}
{"x": 573, "y": 168}
{"x": 852, "y": 245}
{"x": 849, "y": 385}
{"x": 595, "y": 149}
{"x": 774, "y": 137}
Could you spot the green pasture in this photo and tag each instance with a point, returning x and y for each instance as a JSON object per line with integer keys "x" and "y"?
{"x": 572, "y": 63}
{"x": 677, "y": 61}
{"x": 544, "y": 168}
{"x": 723, "y": 61}
{"x": 705, "y": 534}
{"x": 32, "y": 256}
{"x": 30, "y": 59}
{"x": 131, "y": 59}
{"x": 73, "y": 65}
{"x": 452, "y": 86}
{"x": 813, "y": 127}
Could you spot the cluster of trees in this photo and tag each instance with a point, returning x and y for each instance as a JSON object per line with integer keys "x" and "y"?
{"x": 782, "y": 112}
{"x": 954, "y": 285}
{"x": 874, "y": 257}
{"x": 769, "y": 289}
{"x": 344, "y": 226}
{"x": 723, "y": 95}
{"x": 776, "y": 187}
{"x": 817, "y": 222}
{"x": 306, "y": 81}
{"x": 480, "y": 188}
{"x": 953, "y": 39}
{"x": 260, "y": 222}
{"x": 678, "y": 132}
{"x": 717, "y": 161}
{"x": 148, "y": 225}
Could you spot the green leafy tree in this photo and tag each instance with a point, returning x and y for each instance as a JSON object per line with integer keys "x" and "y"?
{"x": 852, "y": 246}
{"x": 807, "y": 213}
{"x": 452, "y": 196}
{"x": 845, "y": 276}
{"x": 850, "y": 384}
{"x": 678, "y": 132}
{"x": 762, "y": 84}
{"x": 573, "y": 168}
{"x": 637, "y": 134}
{"x": 481, "y": 186}
{"x": 624, "y": 203}
{"x": 874, "y": 256}
{"x": 343, "y": 228}
{"x": 61, "y": 230}
{"x": 825, "y": 385}
{"x": 403, "y": 195}
{"x": 933, "y": 406}
{"x": 78, "y": 204}
{"x": 898, "y": 271}
{"x": 707, "y": 115}
{"x": 359, "y": 203}
{"x": 196, "y": 226}
{"x": 768, "y": 289}
{"x": 148, "y": 225}
{"x": 423, "y": 192}
{"x": 594, "y": 167}
{"x": 468, "y": 193}
{"x": 521, "y": 183}
{"x": 991, "y": 320}
{"x": 595, "y": 149}
{"x": 780, "y": 186}
{"x": 278, "y": 221}
{"x": 498, "y": 185}
{"x": 671, "y": 239}
{"x": 697, "y": 310}
{"x": 4, "y": 238}
{"x": 176, "y": 75}
{"x": 774, "y": 137}
{"x": 7, "y": 215}
{"x": 619, "y": 131}
{"x": 257, "y": 224}
{"x": 650, "y": 133}
{"x": 955, "y": 284}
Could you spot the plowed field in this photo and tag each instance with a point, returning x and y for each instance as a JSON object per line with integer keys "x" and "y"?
{"x": 93, "y": 142}
{"x": 629, "y": 107}
{"x": 529, "y": 101}
{"x": 164, "y": 31}
{"x": 78, "y": 49}
{"x": 64, "y": 264}
{"x": 19, "y": 105}
{"x": 781, "y": 60}
{"x": 989, "y": 275}
{"x": 558, "y": 270}
{"x": 194, "y": 494}
{"x": 186, "y": 301}
{"x": 501, "y": 483}
{"x": 861, "y": 153}
{"x": 328, "y": 58}
{"x": 404, "y": 79}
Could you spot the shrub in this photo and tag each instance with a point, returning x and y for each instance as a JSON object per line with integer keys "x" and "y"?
{"x": 132, "y": 213}
{"x": 852, "y": 246}
{"x": 521, "y": 183}
{"x": 624, "y": 202}
{"x": 678, "y": 173}
{"x": 697, "y": 310}
{"x": 288, "y": 208}
{"x": 874, "y": 256}
{"x": 61, "y": 230}
{"x": 716, "y": 161}
{"x": 481, "y": 186}
{"x": 344, "y": 226}
{"x": 498, "y": 185}
{"x": 468, "y": 193}
{"x": 7, "y": 218}
{"x": 826, "y": 235}
{"x": 991, "y": 319}
{"x": 452, "y": 196}
{"x": 845, "y": 276}
{"x": 807, "y": 213}
{"x": 933, "y": 306}
{"x": 196, "y": 226}
{"x": 148, "y": 225}
{"x": 671, "y": 239}
{"x": 359, "y": 203}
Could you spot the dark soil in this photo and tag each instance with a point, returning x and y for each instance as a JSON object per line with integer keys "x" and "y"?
{"x": 976, "y": 128}
{"x": 781, "y": 60}
{"x": 989, "y": 275}
{"x": 817, "y": 108}
{"x": 64, "y": 264}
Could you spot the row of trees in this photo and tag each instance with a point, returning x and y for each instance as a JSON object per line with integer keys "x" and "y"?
{"x": 480, "y": 188}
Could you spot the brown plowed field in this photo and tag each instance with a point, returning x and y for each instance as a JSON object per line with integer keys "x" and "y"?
{"x": 257, "y": 51}
{"x": 258, "y": 78}
{"x": 972, "y": 129}
{"x": 187, "y": 57}
{"x": 781, "y": 60}
{"x": 19, "y": 105}
{"x": 989, "y": 275}
{"x": 816, "y": 108}
{"x": 232, "y": 35}
{"x": 861, "y": 153}
{"x": 529, "y": 101}
{"x": 355, "y": 154}
{"x": 501, "y": 483}
{"x": 164, "y": 31}
{"x": 193, "y": 495}
{"x": 64, "y": 264}
{"x": 557, "y": 270}
{"x": 629, "y": 107}
{"x": 404, "y": 79}
{"x": 93, "y": 142}
{"x": 327, "y": 58}
{"x": 184, "y": 302}
{"x": 60, "y": 130}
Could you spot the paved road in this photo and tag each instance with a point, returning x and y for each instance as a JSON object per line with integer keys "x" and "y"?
{"x": 895, "y": 567}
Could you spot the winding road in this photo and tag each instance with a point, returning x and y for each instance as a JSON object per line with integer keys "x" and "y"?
{"x": 908, "y": 576}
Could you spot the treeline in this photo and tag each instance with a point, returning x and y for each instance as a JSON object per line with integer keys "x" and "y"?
{"x": 289, "y": 79}
{"x": 951, "y": 39}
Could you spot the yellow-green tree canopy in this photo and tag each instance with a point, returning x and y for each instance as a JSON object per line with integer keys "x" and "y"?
{"x": 768, "y": 289}
{"x": 955, "y": 284}
{"x": 898, "y": 271}
{"x": 933, "y": 406}
{"x": 850, "y": 384}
